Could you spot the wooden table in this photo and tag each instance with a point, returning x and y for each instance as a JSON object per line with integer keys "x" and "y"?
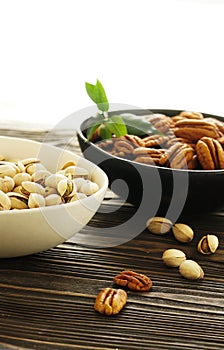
{"x": 46, "y": 300}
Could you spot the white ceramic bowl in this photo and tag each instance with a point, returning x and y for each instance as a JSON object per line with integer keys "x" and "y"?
{"x": 28, "y": 231}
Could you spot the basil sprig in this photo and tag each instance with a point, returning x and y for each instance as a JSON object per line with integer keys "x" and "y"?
{"x": 118, "y": 125}
{"x": 108, "y": 126}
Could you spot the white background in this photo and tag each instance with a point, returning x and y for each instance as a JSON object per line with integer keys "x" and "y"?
{"x": 147, "y": 53}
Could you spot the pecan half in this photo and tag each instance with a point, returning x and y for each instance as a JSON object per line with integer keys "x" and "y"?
{"x": 194, "y": 129}
{"x": 191, "y": 115}
{"x": 110, "y": 301}
{"x": 179, "y": 156}
{"x": 135, "y": 140}
{"x": 160, "y": 121}
{"x": 133, "y": 281}
{"x": 210, "y": 153}
{"x": 123, "y": 146}
{"x": 155, "y": 140}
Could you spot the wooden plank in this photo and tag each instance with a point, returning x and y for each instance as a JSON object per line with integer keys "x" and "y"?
{"x": 46, "y": 300}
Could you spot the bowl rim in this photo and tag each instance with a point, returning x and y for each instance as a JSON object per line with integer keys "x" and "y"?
{"x": 55, "y": 207}
{"x": 142, "y": 112}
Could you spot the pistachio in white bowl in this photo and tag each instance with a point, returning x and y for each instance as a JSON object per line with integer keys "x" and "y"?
{"x": 32, "y": 230}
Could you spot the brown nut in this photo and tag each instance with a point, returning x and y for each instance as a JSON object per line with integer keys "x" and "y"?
{"x": 208, "y": 244}
{"x": 183, "y": 233}
{"x": 159, "y": 225}
{"x": 173, "y": 257}
{"x": 210, "y": 153}
{"x": 191, "y": 270}
{"x": 110, "y": 301}
{"x": 133, "y": 281}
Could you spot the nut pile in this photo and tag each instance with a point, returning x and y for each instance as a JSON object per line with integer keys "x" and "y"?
{"x": 27, "y": 184}
{"x": 111, "y": 301}
{"x": 183, "y": 233}
{"x": 185, "y": 141}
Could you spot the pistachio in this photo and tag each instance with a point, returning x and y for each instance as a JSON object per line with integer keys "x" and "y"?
{"x": 159, "y": 225}
{"x": 34, "y": 167}
{"x": 89, "y": 188}
{"x": 36, "y": 200}
{"x": 20, "y": 177}
{"x": 7, "y": 170}
{"x": 208, "y": 244}
{"x": 40, "y": 176}
{"x": 18, "y": 201}
{"x": 21, "y": 167}
{"x": 79, "y": 181}
{"x": 28, "y": 184}
{"x": 6, "y": 184}
{"x": 67, "y": 164}
{"x": 66, "y": 187}
{"x": 19, "y": 189}
{"x": 76, "y": 171}
{"x": 28, "y": 161}
{"x": 173, "y": 257}
{"x": 191, "y": 270}
{"x": 77, "y": 196}
{"x": 53, "y": 180}
{"x": 5, "y": 203}
{"x": 183, "y": 233}
{"x": 32, "y": 187}
{"x": 49, "y": 190}
{"x": 53, "y": 199}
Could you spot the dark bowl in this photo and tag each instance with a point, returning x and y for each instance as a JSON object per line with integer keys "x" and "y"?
{"x": 157, "y": 190}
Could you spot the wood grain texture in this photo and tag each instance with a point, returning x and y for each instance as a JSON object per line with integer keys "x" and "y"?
{"x": 46, "y": 300}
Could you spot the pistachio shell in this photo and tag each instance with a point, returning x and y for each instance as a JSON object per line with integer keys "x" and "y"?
{"x": 66, "y": 187}
{"x": 32, "y": 187}
{"x": 191, "y": 270}
{"x": 6, "y": 184}
{"x": 19, "y": 189}
{"x": 208, "y": 244}
{"x": 77, "y": 196}
{"x": 213, "y": 242}
{"x": 40, "y": 176}
{"x": 18, "y": 201}
{"x": 5, "y": 202}
{"x": 34, "y": 167}
{"x": 49, "y": 190}
{"x": 76, "y": 171}
{"x": 89, "y": 188}
{"x": 7, "y": 170}
{"x": 67, "y": 164}
{"x": 183, "y": 233}
{"x": 53, "y": 199}
{"x": 20, "y": 177}
{"x": 21, "y": 167}
{"x": 36, "y": 200}
{"x": 159, "y": 225}
{"x": 173, "y": 257}
{"x": 27, "y": 161}
{"x": 78, "y": 182}
{"x": 54, "y": 179}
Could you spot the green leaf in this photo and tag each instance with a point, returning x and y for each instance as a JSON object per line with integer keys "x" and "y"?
{"x": 105, "y": 133}
{"x": 98, "y": 95}
{"x": 116, "y": 125}
{"x": 92, "y": 124}
{"x": 137, "y": 125}
{"x": 91, "y": 131}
